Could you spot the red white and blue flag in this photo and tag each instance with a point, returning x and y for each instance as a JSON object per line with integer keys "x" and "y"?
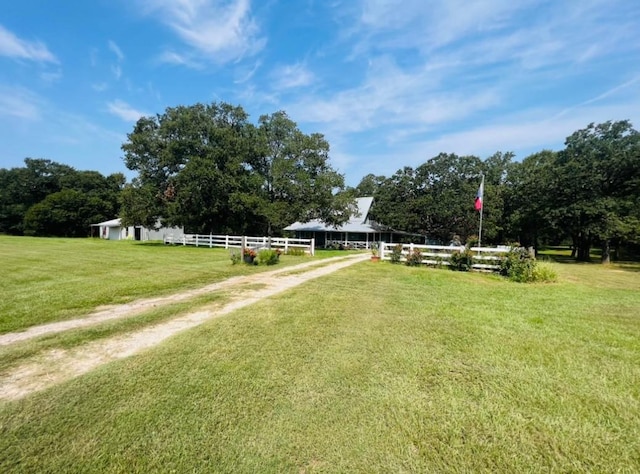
{"x": 479, "y": 197}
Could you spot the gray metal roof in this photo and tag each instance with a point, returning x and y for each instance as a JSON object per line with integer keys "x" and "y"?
{"x": 359, "y": 222}
{"x": 111, "y": 223}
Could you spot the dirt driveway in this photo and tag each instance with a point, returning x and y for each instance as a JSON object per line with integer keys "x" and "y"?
{"x": 58, "y": 365}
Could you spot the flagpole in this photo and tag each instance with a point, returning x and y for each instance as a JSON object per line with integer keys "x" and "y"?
{"x": 481, "y": 210}
{"x": 480, "y": 231}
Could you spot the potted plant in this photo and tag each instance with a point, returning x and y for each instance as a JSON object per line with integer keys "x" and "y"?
{"x": 375, "y": 256}
{"x": 248, "y": 255}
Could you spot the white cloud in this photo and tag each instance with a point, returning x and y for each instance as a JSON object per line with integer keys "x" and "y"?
{"x": 117, "y": 71}
{"x": 219, "y": 31}
{"x": 171, "y": 57}
{"x": 100, "y": 86}
{"x": 126, "y": 112}
{"x": 292, "y": 76}
{"x": 51, "y": 76}
{"x": 14, "y": 47}
{"x": 391, "y": 96}
{"x": 115, "y": 49}
{"x": 19, "y": 103}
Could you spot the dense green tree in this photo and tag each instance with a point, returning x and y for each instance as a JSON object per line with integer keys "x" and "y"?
{"x": 595, "y": 188}
{"x": 449, "y": 184}
{"x": 191, "y": 164}
{"x": 369, "y": 185}
{"x": 21, "y": 189}
{"x": 297, "y": 181}
{"x": 396, "y": 202}
{"x": 207, "y": 168}
{"x": 529, "y": 200}
{"x": 66, "y": 213}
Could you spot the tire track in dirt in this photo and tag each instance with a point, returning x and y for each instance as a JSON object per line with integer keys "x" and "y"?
{"x": 58, "y": 365}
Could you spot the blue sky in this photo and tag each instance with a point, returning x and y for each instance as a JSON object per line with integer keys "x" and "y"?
{"x": 389, "y": 83}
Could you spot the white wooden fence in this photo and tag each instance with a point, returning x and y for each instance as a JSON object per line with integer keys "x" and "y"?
{"x": 484, "y": 258}
{"x": 236, "y": 241}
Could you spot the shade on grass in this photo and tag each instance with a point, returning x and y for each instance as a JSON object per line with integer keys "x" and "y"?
{"x": 378, "y": 368}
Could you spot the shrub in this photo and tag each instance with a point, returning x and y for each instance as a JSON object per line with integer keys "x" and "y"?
{"x": 268, "y": 257}
{"x": 518, "y": 265}
{"x": 396, "y": 254}
{"x": 544, "y": 273}
{"x": 461, "y": 261}
{"x": 472, "y": 241}
{"x": 414, "y": 258}
{"x": 235, "y": 257}
{"x": 296, "y": 252}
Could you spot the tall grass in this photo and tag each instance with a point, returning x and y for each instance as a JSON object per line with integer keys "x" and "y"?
{"x": 378, "y": 368}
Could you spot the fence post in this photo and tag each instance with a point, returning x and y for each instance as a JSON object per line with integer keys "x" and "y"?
{"x": 381, "y": 250}
{"x": 313, "y": 247}
{"x": 286, "y": 245}
{"x": 226, "y": 241}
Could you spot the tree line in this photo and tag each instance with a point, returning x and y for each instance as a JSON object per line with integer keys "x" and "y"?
{"x": 587, "y": 194}
{"x": 45, "y": 198}
{"x": 209, "y": 169}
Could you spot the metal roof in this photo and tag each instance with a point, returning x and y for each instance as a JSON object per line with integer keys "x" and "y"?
{"x": 358, "y": 222}
{"x": 111, "y": 223}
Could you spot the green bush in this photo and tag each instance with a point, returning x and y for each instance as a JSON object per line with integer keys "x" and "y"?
{"x": 414, "y": 258}
{"x": 544, "y": 273}
{"x": 518, "y": 265}
{"x": 396, "y": 254}
{"x": 235, "y": 256}
{"x": 296, "y": 252}
{"x": 461, "y": 261}
{"x": 268, "y": 257}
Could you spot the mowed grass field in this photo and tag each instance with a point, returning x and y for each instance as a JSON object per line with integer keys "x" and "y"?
{"x": 46, "y": 280}
{"x": 376, "y": 368}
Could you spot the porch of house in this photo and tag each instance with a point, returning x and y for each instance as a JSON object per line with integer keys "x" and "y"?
{"x": 349, "y": 240}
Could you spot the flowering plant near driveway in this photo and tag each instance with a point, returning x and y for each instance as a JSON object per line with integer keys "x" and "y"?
{"x": 252, "y": 256}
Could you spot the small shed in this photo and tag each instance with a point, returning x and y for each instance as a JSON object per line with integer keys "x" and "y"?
{"x": 359, "y": 232}
{"x": 114, "y": 230}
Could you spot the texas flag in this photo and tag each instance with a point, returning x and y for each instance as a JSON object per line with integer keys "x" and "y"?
{"x": 478, "y": 204}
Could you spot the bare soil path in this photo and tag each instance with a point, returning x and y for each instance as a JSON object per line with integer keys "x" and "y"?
{"x": 55, "y": 366}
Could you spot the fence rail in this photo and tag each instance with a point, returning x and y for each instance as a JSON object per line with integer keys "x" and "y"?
{"x": 484, "y": 258}
{"x": 237, "y": 241}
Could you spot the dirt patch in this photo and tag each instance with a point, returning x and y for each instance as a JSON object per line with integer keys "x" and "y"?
{"x": 55, "y": 366}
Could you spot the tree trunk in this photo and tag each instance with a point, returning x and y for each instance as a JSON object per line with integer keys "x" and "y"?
{"x": 584, "y": 246}
{"x": 606, "y": 252}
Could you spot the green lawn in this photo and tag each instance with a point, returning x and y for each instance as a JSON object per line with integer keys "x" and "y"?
{"x": 377, "y": 368}
{"x": 49, "y": 280}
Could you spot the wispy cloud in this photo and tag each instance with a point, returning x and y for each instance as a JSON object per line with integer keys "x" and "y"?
{"x": 115, "y": 49}
{"x": 171, "y": 57}
{"x": 100, "y": 86}
{"x": 391, "y": 96}
{"x": 292, "y": 76}
{"x": 117, "y": 71}
{"x": 14, "y": 47}
{"x": 215, "y": 30}
{"x": 19, "y": 103}
{"x": 51, "y": 76}
{"x": 126, "y": 112}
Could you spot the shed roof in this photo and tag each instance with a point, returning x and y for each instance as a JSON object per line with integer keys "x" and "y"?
{"x": 111, "y": 223}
